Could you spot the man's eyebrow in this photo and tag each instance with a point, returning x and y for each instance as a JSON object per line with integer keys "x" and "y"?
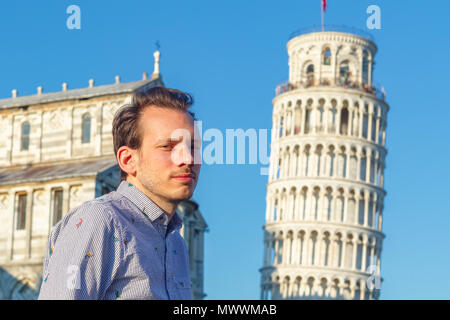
{"x": 169, "y": 140}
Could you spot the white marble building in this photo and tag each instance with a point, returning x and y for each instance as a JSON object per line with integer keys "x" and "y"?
{"x": 324, "y": 205}
{"x": 56, "y": 152}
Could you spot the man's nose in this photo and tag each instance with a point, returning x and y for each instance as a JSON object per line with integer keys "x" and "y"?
{"x": 183, "y": 154}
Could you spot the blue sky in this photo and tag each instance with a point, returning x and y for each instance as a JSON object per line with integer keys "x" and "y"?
{"x": 230, "y": 55}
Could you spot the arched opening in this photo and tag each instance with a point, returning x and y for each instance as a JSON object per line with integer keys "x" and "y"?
{"x": 344, "y": 73}
{"x": 319, "y": 160}
{"x": 363, "y": 166}
{"x": 344, "y": 121}
{"x": 310, "y": 75}
{"x": 306, "y": 156}
{"x": 313, "y": 247}
{"x": 327, "y": 56}
{"x": 365, "y": 69}
{"x": 308, "y": 111}
{"x": 297, "y": 117}
{"x": 326, "y": 243}
{"x": 281, "y": 127}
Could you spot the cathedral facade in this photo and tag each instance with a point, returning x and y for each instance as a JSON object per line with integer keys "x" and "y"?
{"x": 324, "y": 205}
{"x": 56, "y": 152}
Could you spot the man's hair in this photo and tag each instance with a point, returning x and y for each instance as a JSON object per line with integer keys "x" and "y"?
{"x": 125, "y": 127}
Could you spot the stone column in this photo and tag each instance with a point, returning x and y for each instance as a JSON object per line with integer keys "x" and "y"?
{"x": 347, "y": 162}
{"x": 338, "y": 120}
{"x": 344, "y": 249}
{"x": 11, "y": 219}
{"x": 362, "y": 285}
{"x": 378, "y": 261}
{"x": 276, "y": 130}
{"x": 303, "y": 124}
{"x": 293, "y": 259}
{"x": 335, "y": 163}
{"x": 375, "y": 169}
{"x": 368, "y": 163}
{"x": 69, "y": 143}
{"x": 300, "y": 247}
{"x": 265, "y": 253}
{"x": 364, "y": 255}
{"x": 377, "y": 128}
{"x": 293, "y": 120}
{"x": 308, "y": 200}
{"x": 285, "y": 249}
{"x": 332, "y": 247}
{"x": 361, "y": 118}
{"x": 372, "y": 252}
{"x": 374, "y": 208}
{"x": 298, "y": 207}
{"x": 268, "y": 207}
{"x": 358, "y": 165}
{"x": 66, "y": 199}
{"x": 345, "y": 204}
{"x": 317, "y": 259}
{"x": 269, "y": 255}
{"x": 350, "y": 122}
{"x": 355, "y": 252}
{"x": 380, "y": 219}
{"x": 366, "y": 207}
{"x": 369, "y": 122}
{"x": 334, "y": 198}
{"x": 305, "y": 258}
{"x": 28, "y": 220}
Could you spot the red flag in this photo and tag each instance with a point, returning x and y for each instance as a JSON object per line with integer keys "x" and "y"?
{"x": 324, "y": 5}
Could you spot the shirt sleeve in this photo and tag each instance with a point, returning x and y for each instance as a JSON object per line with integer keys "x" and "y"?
{"x": 83, "y": 255}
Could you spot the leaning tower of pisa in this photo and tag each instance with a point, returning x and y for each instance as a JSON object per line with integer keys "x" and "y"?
{"x": 324, "y": 205}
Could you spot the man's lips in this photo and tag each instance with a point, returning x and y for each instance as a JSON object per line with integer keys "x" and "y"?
{"x": 184, "y": 177}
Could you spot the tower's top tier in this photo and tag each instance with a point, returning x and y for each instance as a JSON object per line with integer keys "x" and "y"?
{"x": 332, "y": 57}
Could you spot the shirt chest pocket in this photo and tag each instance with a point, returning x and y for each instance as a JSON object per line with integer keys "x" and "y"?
{"x": 183, "y": 288}
{"x": 183, "y": 282}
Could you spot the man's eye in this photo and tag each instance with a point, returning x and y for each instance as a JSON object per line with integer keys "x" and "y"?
{"x": 166, "y": 146}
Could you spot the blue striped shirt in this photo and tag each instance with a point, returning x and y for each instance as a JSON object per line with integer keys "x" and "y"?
{"x": 118, "y": 246}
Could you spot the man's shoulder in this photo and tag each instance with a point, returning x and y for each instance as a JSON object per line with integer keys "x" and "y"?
{"x": 93, "y": 214}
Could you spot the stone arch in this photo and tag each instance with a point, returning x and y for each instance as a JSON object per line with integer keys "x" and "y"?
{"x": 315, "y": 203}
{"x": 326, "y": 238}
{"x": 326, "y": 55}
{"x": 351, "y": 207}
{"x": 323, "y": 288}
{"x": 335, "y": 288}
{"x": 307, "y": 163}
{"x": 312, "y": 246}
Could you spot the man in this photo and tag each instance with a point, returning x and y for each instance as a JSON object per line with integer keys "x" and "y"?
{"x": 126, "y": 244}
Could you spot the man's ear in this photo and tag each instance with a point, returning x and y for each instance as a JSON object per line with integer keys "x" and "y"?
{"x": 127, "y": 159}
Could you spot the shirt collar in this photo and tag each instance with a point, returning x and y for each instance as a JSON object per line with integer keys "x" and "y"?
{"x": 147, "y": 206}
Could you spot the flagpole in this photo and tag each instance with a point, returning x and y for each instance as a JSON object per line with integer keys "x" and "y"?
{"x": 321, "y": 12}
{"x": 322, "y": 21}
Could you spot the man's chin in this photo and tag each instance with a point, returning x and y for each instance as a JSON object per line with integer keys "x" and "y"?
{"x": 182, "y": 195}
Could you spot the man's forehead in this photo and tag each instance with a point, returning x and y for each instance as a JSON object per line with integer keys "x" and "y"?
{"x": 164, "y": 124}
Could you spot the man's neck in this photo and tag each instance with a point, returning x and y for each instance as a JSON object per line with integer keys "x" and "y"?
{"x": 167, "y": 206}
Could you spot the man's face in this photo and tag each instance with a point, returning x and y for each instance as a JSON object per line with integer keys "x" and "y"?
{"x": 166, "y": 157}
